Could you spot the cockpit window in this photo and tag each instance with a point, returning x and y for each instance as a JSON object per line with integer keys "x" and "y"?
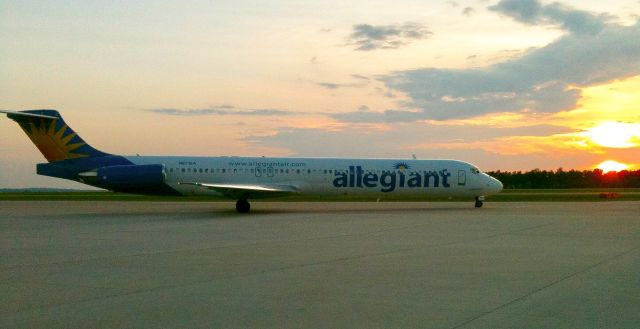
{"x": 475, "y": 170}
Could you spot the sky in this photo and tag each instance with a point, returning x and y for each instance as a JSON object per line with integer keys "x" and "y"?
{"x": 506, "y": 85}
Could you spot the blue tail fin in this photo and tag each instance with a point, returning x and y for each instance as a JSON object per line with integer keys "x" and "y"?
{"x": 55, "y": 140}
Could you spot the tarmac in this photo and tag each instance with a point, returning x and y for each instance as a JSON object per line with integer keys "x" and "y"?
{"x": 319, "y": 265}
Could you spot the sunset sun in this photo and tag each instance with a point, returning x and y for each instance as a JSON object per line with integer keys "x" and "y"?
{"x": 611, "y": 165}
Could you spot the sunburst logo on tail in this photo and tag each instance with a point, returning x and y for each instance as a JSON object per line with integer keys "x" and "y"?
{"x": 54, "y": 139}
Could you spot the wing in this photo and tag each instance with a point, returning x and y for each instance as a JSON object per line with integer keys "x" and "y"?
{"x": 248, "y": 191}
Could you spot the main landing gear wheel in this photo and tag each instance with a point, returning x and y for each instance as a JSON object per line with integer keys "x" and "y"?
{"x": 243, "y": 206}
{"x": 478, "y": 202}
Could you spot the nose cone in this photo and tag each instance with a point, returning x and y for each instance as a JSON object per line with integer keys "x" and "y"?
{"x": 491, "y": 185}
{"x": 495, "y": 186}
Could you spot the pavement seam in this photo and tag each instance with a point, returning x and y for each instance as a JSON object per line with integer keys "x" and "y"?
{"x": 283, "y": 268}
{"x": 390, "y": 229}
{"x": 533, "y": 292}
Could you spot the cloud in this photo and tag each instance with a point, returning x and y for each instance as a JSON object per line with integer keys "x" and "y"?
{"x": 542, "y": 80}
{"x": 533, "y": 12}
{"x": 360, "y": 77}
{"x": 330, "y": 85}
{"x": 400, "y": 141}
{"x": 362, "y": 81}
{"x": 365, "y": 115}
{"x": 468, "y": 11}
{"x": 222, "y": 110}
{"x": 367, "y": 37}
{"x": 333, "y": 85}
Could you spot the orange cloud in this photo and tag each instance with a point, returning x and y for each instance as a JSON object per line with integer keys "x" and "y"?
{"x": 516, "y": 145}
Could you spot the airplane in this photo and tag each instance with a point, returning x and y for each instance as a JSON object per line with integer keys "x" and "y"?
{"x": 246, "y": 178}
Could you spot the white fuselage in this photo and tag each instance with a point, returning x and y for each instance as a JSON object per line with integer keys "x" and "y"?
{"x": 329, "y": 176}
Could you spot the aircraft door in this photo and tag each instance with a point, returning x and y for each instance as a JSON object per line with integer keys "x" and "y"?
{"x": 264, "y": 175}
{"x": 462, "y": 177}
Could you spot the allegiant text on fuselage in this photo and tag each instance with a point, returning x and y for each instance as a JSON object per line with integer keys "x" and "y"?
{"x": 390, "y": 180}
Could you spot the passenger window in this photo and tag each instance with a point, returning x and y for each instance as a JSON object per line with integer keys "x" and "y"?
{"x": 224, "y": 170}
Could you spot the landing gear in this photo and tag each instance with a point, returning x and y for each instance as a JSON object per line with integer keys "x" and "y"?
{"x": 243, "y": 206}
{"x": 479, "y": 200}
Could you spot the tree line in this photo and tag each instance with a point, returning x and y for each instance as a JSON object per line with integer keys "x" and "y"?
{"x": 567, "y": 179}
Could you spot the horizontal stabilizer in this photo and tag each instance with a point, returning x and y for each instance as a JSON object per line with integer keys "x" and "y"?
{"x": 26, "y": 114}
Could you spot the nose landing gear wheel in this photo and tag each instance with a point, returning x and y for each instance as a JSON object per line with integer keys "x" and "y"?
{"x": 478, "y": 202}
{"x": 243, "y": 206}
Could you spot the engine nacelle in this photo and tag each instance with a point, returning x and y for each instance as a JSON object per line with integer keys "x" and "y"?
{"x": 128, "y": 177}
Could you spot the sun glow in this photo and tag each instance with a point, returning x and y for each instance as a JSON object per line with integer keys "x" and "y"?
{"x": 611, "y": 165}
{"x": 615, "y": 134}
